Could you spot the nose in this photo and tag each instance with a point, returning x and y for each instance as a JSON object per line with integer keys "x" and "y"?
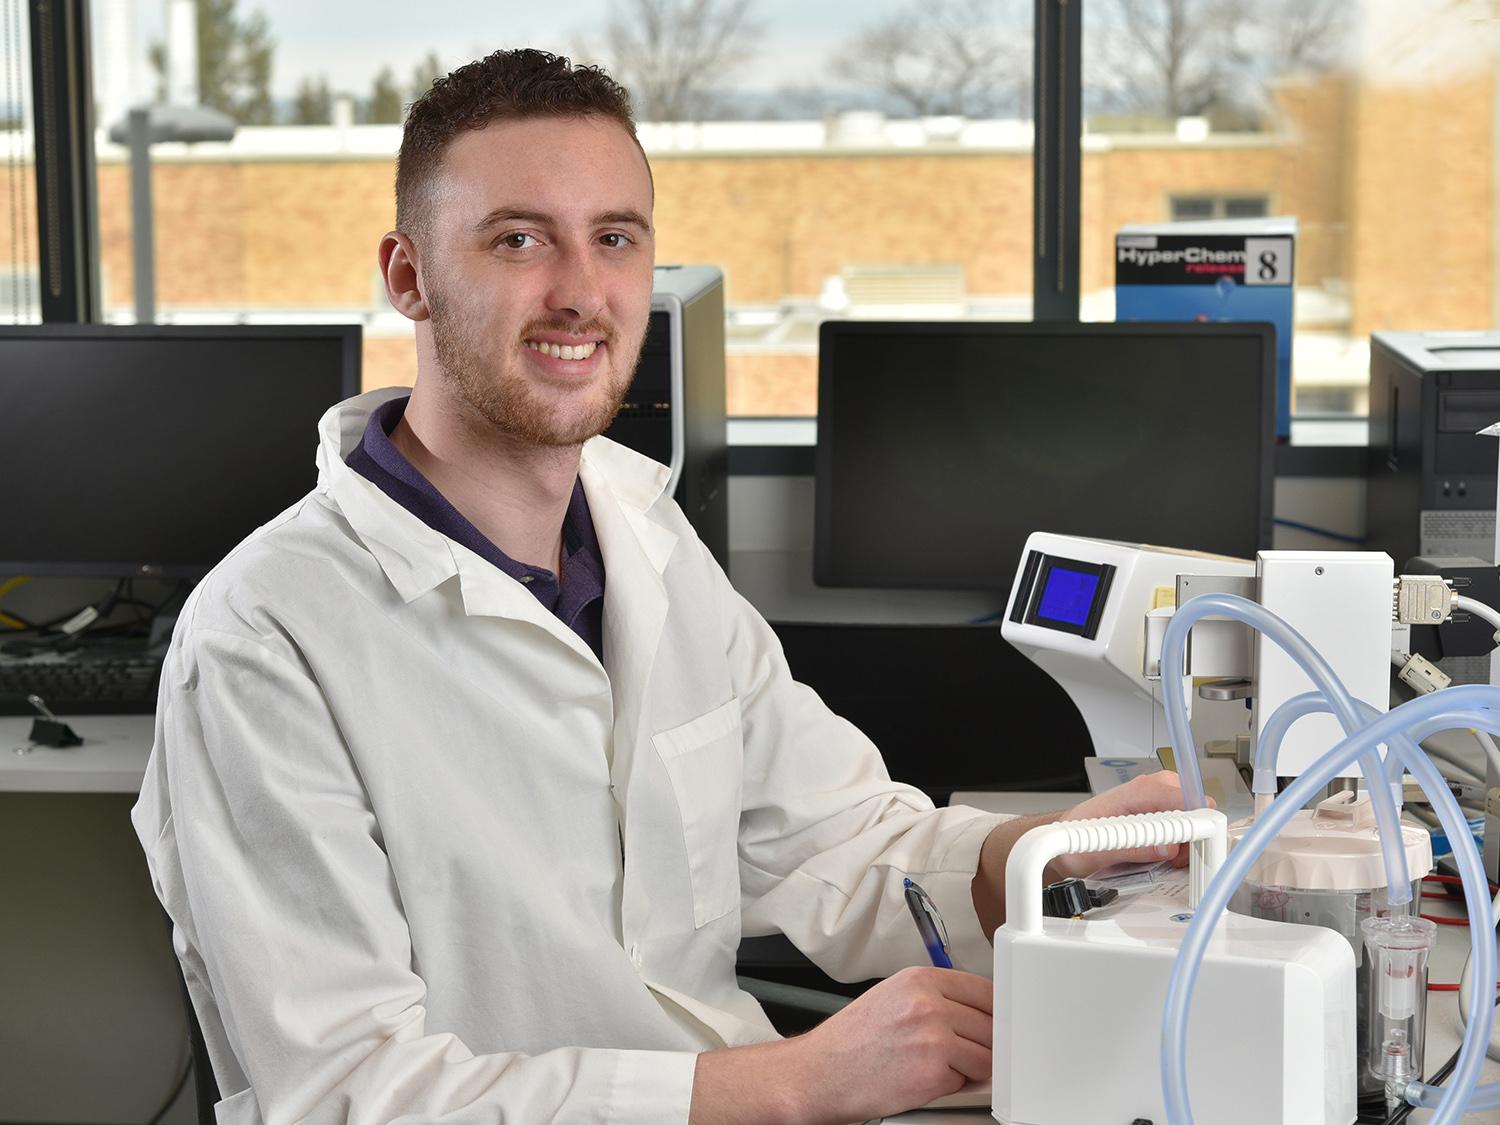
{"x": 577, "y": 289}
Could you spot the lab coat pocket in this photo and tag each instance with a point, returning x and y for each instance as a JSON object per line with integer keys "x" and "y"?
{"x": 703, "y": 759}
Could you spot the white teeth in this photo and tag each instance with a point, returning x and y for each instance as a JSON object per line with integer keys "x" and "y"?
{"x": 564, "y": 351}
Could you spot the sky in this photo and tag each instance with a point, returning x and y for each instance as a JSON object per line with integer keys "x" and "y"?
{"x": 350, "y": 40}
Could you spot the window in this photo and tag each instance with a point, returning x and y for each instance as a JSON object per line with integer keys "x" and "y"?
{"x": 20, "y": 284}
{"x": 1371, "y": 123}
{"x": 848, "y": 160}
{"x": 1191, "y": 208}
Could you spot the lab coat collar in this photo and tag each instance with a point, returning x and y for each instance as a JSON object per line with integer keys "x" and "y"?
{"x": 413, "y": 556}
{"x": 417, "y": 558}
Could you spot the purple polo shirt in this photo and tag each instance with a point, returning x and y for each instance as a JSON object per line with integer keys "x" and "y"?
{"x": 576, "y": 596}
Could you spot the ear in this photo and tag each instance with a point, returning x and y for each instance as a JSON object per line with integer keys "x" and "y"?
{"x": 399, "y": 268}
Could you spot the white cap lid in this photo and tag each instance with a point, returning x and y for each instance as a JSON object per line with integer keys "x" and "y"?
{"x": 1333, "y": 847}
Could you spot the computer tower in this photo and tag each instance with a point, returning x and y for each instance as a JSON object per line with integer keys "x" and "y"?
{"x": 675, "y": 409}
{"x": 1430, "y": 478}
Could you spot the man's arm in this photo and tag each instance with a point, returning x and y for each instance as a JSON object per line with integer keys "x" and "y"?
{"x": 1154, "y": 792}
{"x": 918, "y": 1035}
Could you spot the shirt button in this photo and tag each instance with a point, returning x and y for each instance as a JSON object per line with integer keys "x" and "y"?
{"x": 635, "y": 956}
{"x": 528, "y": 579}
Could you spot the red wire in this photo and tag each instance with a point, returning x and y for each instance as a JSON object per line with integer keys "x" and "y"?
{"x": 1453, "y": 879}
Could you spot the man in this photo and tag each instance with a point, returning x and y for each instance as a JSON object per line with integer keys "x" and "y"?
{"x": 471, "y": 769}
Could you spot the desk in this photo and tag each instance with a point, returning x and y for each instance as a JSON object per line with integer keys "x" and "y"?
{"x": 112, "y": 758}
{"x": 92, "y": 1018}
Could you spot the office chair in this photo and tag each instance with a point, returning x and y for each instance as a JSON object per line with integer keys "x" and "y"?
{"x": 205, "y": 1088}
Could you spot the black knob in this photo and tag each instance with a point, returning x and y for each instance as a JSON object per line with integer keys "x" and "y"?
{"x": 1065, "y": 899}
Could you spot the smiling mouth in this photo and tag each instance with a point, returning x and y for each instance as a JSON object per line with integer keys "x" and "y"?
{"x": 564, "y": 351}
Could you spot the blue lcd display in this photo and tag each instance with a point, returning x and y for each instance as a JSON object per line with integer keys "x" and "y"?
{"x": 1068, "y": 596}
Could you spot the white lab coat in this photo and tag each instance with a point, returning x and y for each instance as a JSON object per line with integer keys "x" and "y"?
{"x": 390, "y": 793}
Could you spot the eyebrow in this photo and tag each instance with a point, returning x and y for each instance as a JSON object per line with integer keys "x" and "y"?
{"x": 517, "y": 214}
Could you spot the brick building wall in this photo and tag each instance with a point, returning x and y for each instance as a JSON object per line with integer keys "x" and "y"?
{"x": 1422, "y": 213}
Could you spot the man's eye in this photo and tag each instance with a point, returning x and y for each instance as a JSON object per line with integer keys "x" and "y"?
{"x": 614, "y": 241}
{"x": 516, "y": 240}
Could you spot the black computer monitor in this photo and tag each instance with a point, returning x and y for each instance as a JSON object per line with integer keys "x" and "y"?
{"x": 941, "y": 446}
{"x": 132, "y": 451}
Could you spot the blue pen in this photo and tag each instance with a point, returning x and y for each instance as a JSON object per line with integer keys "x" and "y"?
{"x": 929, "y": 924}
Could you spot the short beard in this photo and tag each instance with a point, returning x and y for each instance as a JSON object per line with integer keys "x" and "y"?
{"x": 502, "y": 397}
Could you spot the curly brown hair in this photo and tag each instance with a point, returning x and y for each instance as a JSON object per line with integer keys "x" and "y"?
{"x": 506, "y": 84}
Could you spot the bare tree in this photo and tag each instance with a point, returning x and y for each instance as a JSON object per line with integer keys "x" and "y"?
{"x": 1166, "y": 57}
{"x": 1307, "y": 34}
{"x": 1175, "y": 58}
{"x": 673, "y": 55}
{"x": 969, "y": 57}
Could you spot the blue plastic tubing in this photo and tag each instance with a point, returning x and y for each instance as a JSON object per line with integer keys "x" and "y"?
{"x": 1308, "y": 703}
{"x": 1419, "y": 718}
{"x": 1344, "y": 706}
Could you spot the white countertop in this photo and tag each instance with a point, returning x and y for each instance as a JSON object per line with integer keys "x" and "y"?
{"x": 112, "y": 758}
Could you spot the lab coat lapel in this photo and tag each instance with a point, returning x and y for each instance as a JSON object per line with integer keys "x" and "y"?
{"x": 489, "y": 592}
{"x": 414, "y": 557}
{"x": 636, "y": 550}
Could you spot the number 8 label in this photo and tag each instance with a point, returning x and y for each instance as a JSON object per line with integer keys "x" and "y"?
{"x": 1268, "y": 261}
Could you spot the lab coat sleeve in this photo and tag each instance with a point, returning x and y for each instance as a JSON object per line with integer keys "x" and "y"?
{"x": 272, "y": 858}
{"x": 826, "y": 836}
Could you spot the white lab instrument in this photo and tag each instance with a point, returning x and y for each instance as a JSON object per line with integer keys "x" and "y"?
{"x": 1329, "y": 867}
{"x": 1080, "y": 609}
{"x": 1341, "y": 602}
{"x": 1078, "y": 1002}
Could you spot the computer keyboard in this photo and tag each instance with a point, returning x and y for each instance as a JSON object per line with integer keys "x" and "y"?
{"x": 116, "y": 685}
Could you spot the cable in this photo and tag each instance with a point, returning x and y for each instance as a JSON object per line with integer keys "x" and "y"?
{"x": 1452, "y": 758}
{"x": 1336, "y": 536}
{"x": 187, "y": 1069}
{"x": 1418, "y": 813}
{"x": 182, "y": 587}
{"x": 1454, "y": 880}
{"x": 13, "y": 620}
{"x": 1480, "y": 610}
{"x": 1464, "y": 985}
{"x": 1491, "y": 751}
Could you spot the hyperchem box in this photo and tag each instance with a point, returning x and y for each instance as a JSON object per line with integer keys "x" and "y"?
{"x": 1230, "y": 269}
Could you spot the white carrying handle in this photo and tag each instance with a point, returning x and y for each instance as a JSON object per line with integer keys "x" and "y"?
{"x": 1207, "y": 830}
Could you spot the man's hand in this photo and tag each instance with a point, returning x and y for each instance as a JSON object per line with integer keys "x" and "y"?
{"x": 1152, "y": 792}
{"x": 914, "y": 1037}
